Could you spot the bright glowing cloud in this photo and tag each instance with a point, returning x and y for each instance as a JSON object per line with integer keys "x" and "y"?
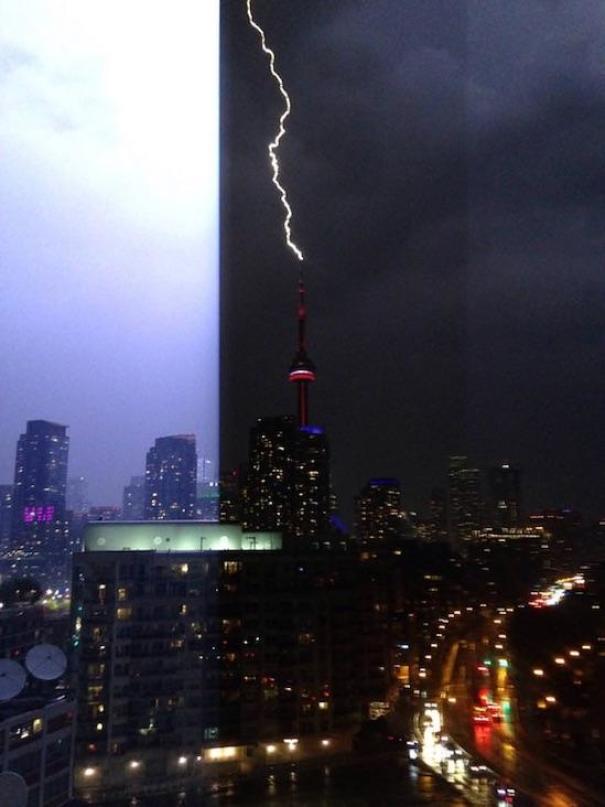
{"x": 111, "y": 95}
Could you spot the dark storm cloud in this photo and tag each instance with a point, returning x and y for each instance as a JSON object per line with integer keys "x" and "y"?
{"x": 446, "y": 170}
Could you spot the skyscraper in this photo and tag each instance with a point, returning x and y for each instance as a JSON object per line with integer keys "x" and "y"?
{"x": 312, "y": 499}
{"x": 464, "y": 499}
{"x": 378, "y": 512}
{"x": 270, "y": 481}
{"x": 133, "y": 499}
{"x": 39, "y": 534}
{"x": 170, "y": 478}
{"x": 288, "y": 482}
{"x": 504, "y": 483}
{"x": 77, "y": 494}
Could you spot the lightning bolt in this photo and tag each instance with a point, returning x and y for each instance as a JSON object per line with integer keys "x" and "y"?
{"x": 274, "y": 145}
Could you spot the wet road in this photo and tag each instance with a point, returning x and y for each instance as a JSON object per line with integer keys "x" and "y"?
{"x": 366, "y": 784}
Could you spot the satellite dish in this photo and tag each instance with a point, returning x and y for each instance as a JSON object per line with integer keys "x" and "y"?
{"x": 12, "y": 679}
{"x": 13, "y": 789}
{"x": 46, "y": 662}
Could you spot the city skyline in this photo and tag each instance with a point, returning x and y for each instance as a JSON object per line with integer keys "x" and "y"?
{"x": 476, "y": 332}
{"x": 441, "y": 172}
{"x": 108, "y": 196}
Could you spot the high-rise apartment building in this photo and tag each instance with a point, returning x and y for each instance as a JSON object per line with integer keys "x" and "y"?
{"x": 270, "y": 481}
{"x": 133, "y": 499}
{"x": 39, "y": 540}
{"x": 312, "y": 502}
{"x": 288, "y": 482}
{"x": 504, "y": 487}
{"x": 204, "y": 643}
{"x": 378, "y": 514}
{"x": 170, "y": 478}
{"x": 464, "y": 499}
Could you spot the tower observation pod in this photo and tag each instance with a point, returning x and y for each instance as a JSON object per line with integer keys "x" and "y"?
{"x": 302, "y": 369}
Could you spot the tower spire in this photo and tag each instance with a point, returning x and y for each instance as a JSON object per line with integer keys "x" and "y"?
{"x": 302, "y": 369}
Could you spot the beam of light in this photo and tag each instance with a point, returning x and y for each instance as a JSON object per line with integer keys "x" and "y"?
{"x": 274, "y": 145}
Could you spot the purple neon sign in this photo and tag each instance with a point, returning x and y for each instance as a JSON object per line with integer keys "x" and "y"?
{"x": 38, "y": 515}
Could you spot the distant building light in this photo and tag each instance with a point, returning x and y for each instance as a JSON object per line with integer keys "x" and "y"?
{"x": 88, "y": 772}
{"x": 134, "y": 764}
{"x": 218, "y": 754}
{"x": 182, "y": 760}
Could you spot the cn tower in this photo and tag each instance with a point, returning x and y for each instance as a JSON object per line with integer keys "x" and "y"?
{"x": 302, "y": 369}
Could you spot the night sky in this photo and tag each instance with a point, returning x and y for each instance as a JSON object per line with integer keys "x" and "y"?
{"x": 445, "y": 165}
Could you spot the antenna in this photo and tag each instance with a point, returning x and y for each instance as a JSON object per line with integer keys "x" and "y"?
{"x": 12, "y": 679}
{"x": 46, "y": 662}
{"x": 13, "y": 789}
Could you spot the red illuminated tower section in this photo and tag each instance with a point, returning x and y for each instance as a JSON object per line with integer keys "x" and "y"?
{"x": 302, "y": 370}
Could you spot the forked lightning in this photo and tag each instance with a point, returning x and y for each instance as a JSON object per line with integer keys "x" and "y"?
{"x": 274, "y": 145}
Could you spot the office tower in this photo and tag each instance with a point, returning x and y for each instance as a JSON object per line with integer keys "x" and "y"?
{"x": 133, "y": 499}
{"x": 438, "y": 515}
{"x": 378, "y": 512}
{"x": 504, "y": 487}
{"x": 77, "y": 494}
{"x": 288, "y": 482}
{"x": 6, "y": 516}
{"x": 40, "y": 533}
{"x": 170, "y": 478}
{"x": 302, "y": 369}
{"x": 464, "y": 499}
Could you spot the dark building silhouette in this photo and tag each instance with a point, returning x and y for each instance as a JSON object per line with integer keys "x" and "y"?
{"x": 170, "y": 478}
{"x": 312, "y": 502}
{"x": 6, "y": 516}
{"x": 270, "y": 479}
{"x": 378, "y": 514}
{"x": 231, "y": 496}
{"x": 133, "y": 499}
{"x": 464, "y": 499}
{"x": 437, "y": 527}
{"x": 504, "y": 489}
{"x": 40, "y": 531}
{"x": 288, "y": 481}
